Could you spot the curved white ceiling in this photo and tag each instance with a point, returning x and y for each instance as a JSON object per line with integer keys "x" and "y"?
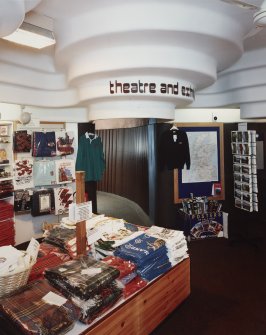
{"x": 102, "y": 44}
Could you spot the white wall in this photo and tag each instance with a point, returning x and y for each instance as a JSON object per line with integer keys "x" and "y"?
{"x": 230, "y": 115}
{"x": 12, "y": 112}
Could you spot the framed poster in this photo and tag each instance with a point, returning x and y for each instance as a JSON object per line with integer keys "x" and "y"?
{"x": 206, "y": 174}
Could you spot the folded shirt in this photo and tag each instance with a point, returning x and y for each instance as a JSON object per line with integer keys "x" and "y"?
{"x": 150, "y": 275}
{"x": 133, "y": 286}
{"x": 142, "y": 249}
{"x": 153, "y": 269}
{"x": 125, "y": 267}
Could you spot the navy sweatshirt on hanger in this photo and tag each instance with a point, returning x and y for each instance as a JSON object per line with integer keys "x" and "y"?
{"x": 174, "y": 149}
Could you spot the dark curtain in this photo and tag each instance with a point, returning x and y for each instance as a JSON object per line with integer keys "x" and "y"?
{"x": 126, "y": 155}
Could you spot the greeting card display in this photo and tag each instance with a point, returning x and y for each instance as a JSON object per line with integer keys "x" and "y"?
{"x": 243, "y": 144}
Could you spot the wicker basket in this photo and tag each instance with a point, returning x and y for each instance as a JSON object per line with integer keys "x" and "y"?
{"x": 12, "y": 282}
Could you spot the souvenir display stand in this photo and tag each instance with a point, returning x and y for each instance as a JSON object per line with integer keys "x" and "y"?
{"x": 143, "y": 312}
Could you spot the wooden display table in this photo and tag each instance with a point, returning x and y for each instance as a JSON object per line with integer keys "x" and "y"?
{"x": 143, "y": 312}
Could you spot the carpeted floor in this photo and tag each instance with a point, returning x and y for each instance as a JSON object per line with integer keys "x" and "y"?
{"x": 228, "y": 291}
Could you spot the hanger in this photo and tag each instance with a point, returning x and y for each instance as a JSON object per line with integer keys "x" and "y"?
{"x": 174, "y": 128}
{"x": 91, "y": 136}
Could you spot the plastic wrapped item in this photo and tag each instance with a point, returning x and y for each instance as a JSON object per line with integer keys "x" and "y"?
{"x": 43, "y": 144}
{"x": 48, "y": 249}
{"x": 49, "y": 256}
{"x": 63, "y": 198}
{"x": 124, "y": 267}
{"x": 64, "y": 238}
{"x": 83, "y": 277}
{"x": 35, "y": 312}
{"x": 44, "y": 173}
{"x": 22, "y": 141}
{"x": 43, "y": 263}
{"x": 133, "y": 286}
{"x": 64, "y": 143}
{"x": 23, "y": 173}
{"x": 101, "y": 302}
{"x": 22, "y": 200}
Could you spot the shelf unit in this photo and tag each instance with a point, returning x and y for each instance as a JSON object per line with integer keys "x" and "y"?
{"x": 6, "y": 183}
{"x": 6, "y": 150}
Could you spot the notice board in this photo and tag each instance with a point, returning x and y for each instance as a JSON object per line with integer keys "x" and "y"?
{"x": 206, "y": 174}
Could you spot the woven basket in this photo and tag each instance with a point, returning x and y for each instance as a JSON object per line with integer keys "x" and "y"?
{"x": 10, "y": 283}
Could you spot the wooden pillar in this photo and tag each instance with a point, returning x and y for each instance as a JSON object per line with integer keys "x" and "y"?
{"x": 81, "y": 226}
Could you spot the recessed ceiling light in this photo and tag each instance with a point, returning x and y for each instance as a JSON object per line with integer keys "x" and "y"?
{"x": 31, "y": 35}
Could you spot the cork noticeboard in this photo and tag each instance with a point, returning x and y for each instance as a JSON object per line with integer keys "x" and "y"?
{"x": 206, "y": 174}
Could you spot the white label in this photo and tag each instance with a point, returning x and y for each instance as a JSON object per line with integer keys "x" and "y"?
{"x": 93, "y": 235}
{"x": 80, "y": 212}
{"x": 33, "y": 248}
{"x": 54, "y": 299}
{"x": 91, "y": 271}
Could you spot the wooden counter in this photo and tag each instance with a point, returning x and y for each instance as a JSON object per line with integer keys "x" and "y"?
{"x": 143, "y": 312}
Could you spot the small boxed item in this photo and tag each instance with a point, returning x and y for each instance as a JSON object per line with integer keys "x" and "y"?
{"x": 3, "y": 130}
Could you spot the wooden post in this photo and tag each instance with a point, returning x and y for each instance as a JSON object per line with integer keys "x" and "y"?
{"x": 81, "y": 226}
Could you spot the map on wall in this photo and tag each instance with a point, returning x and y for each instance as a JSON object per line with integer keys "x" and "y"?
{"x": 203, "y": 148}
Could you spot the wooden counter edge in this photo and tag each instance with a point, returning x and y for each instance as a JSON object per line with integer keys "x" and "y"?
{"x": 143, "y": 312}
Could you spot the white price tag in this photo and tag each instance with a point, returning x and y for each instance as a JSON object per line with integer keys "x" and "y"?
{"x": 80, "y": 212}
{"x": 54, "y": 299}
{"x": 91, "y": 271}
{"x": 93, "y": 235}
{"x": 33, "y": 248}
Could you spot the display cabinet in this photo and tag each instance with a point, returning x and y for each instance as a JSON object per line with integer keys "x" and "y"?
{"x": 6, "y": 152}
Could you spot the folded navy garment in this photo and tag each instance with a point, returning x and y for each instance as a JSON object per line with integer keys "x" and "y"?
{"x": 141, "y": 249}
{"x": 150, "y": 275}
{"x": 154, "y": 269}
{"x": 43, "y": 144}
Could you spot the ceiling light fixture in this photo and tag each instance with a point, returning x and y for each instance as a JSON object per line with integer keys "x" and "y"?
{"x": 31, "y": 35}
